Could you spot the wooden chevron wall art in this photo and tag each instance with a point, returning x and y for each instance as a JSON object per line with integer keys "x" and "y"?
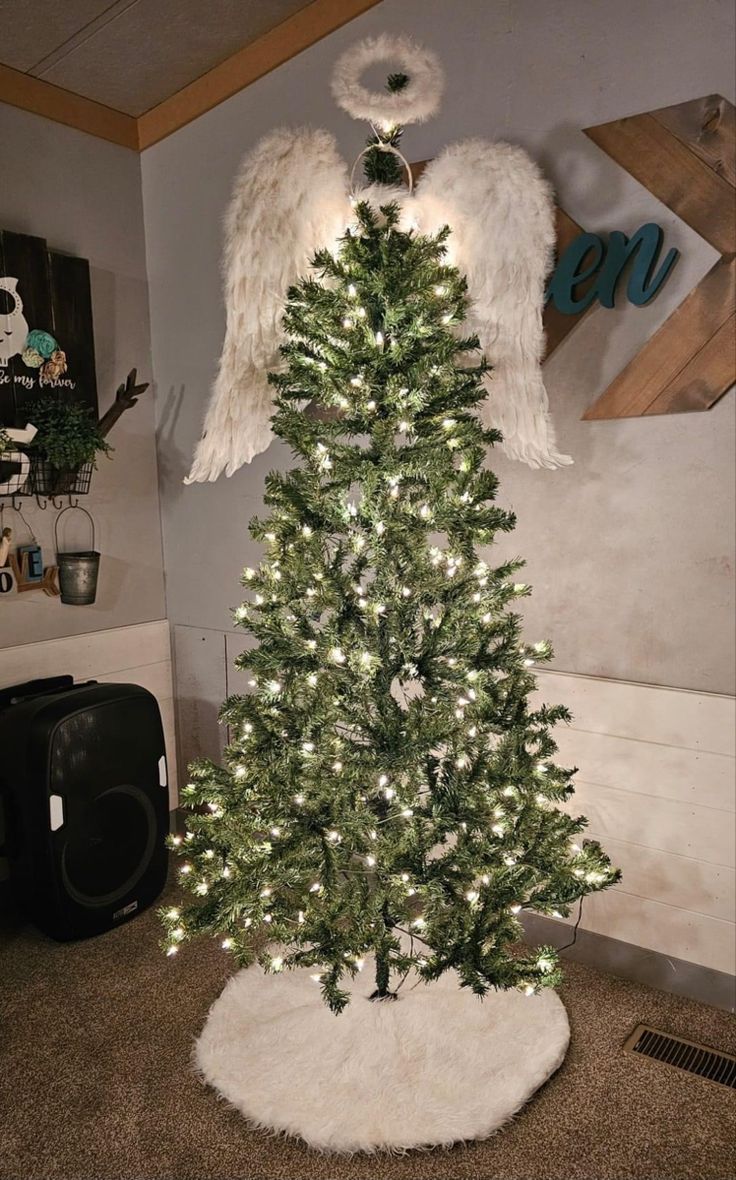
{"x": 685, "y": 155}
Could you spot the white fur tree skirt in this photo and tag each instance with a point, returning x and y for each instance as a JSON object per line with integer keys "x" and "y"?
{"x": 436, "y": 1066}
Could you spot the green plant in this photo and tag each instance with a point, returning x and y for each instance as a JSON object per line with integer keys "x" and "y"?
{"x": 68, "y": 434}
{"x": 6, "y": 442}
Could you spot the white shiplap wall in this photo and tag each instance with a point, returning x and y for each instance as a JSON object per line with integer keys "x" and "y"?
{"x": 656, "y": 782}
{"x": 139, "y": 654}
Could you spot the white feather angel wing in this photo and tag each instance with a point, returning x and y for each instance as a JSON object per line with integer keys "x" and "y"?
{"x": 290, "y": 199}
{"x": 500, "y": 210}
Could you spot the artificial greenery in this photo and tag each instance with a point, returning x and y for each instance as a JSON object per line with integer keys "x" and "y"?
{"x": 6, "y": 442}
{"x": 390, "y": 787}
{"x": 68, "y": 434}
{"x": 381, "y": 166}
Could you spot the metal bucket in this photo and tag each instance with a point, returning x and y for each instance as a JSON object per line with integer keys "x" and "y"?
{"x": 78, "y": 570}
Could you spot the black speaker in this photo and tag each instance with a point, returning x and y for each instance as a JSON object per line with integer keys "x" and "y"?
{"x": 84, "y": 782}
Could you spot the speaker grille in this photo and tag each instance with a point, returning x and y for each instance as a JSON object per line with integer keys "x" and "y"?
{"x": 109, "y": 845}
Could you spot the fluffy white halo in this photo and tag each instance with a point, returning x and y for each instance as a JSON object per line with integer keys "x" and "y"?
{"x": 418, "y": 100}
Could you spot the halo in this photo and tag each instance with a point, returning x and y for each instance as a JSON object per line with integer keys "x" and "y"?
{"x": 418, "y": 100}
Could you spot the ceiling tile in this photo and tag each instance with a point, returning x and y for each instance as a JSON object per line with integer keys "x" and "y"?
{"x": 153, "y": 48}
{"x": 32, "y": 29}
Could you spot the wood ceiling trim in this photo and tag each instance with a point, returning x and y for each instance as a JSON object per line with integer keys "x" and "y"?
{"x": 287, "y": 39}
{"x": 43, "y": 98}
{"x": 279, "y": 45}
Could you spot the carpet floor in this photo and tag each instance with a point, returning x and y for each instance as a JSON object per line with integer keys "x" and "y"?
{"x": 96, "y": 1081}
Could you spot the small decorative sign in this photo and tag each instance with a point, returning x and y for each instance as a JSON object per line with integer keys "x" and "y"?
{"x": 48, "y": 582}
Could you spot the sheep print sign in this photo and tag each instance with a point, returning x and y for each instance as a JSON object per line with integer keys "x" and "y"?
{"x": 46, "y": 331}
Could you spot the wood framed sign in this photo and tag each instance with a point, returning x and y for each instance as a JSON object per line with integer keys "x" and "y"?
{"x": 686, "y": 156}
{"x": 46, "y": 330}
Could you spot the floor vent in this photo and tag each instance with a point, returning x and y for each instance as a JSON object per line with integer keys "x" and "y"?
{"x": 688, "y": 1055}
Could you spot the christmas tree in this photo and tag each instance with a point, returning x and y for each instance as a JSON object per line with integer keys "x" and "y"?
{"x": 389, "y": 789}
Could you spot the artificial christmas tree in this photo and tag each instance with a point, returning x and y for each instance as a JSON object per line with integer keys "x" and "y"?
{"x": 387, "y": 774}
{"x": 389, "y": 797}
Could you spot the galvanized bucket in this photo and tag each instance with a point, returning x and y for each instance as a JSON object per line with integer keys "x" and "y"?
{"x": 78, "y": 570}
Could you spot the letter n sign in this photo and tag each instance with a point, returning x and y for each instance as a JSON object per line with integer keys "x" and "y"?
{"x": 590, "y": 269}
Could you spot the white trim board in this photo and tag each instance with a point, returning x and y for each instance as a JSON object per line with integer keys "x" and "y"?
{"x": 139, "y": 654}
{"x": 656, "y": 782}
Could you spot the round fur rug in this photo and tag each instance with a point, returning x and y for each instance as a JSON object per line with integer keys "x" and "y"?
{"x": 436, "y": 1066}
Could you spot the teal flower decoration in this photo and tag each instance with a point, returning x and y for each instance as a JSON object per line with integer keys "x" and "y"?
{"x": 42, "y": 342}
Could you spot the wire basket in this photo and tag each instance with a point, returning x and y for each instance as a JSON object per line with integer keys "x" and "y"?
{"x": 47, "y": 480}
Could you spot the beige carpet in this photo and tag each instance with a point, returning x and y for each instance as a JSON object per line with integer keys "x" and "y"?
{"x": 96, "y": 1083}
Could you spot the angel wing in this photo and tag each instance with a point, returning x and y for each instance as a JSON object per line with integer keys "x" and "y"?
{"x": 500, "y": 210}
{"x": 290, "y": 199}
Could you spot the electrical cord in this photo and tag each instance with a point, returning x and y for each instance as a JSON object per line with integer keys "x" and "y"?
{"x": 574, "y": 938}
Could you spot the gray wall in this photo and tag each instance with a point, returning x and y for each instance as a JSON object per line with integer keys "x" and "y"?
{"x": 629, "y": 551}
{"x": 84, "y": 197}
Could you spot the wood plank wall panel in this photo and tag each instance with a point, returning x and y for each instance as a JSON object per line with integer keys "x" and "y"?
{"x": 656, "y": 782}
{"x": 199, "y": 663}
